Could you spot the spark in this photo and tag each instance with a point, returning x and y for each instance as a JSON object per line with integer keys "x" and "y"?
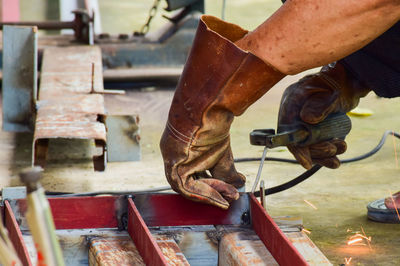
{"x": 347, "y": 260}
{"x": 358, "y": 238}
{"x": 395, "y": 151}
{"x": 367, "y": 238}
{"x": 312, "y": 205}
{"x": 394, "y": 204}
{"x": 355, "y": 240}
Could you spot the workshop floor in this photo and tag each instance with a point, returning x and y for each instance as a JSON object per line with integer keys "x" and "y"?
{"x": 340, "y": 196}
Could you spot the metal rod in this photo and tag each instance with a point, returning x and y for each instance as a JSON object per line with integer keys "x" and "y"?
{"x": 259, "y": 170}
{"x": 223, "y": 9}
{"x": 43, "y": 25}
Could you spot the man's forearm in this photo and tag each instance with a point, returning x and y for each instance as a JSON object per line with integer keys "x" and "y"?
{"x": 304, "y": 34}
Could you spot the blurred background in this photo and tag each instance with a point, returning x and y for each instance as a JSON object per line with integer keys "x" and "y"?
{"x": 126, "y": 16}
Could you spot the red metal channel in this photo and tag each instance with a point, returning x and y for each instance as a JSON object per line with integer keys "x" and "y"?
{"x": 175, "y": 210}
{"x": 273, "y": 238}
{"x": 15, "y": 234}
{"x": 81, "y": 212}
{"x": 143, "y": 239}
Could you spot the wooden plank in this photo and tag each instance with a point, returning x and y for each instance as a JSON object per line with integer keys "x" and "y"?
{"x": 118, "y": 250}
{"x": 243, "y": 247}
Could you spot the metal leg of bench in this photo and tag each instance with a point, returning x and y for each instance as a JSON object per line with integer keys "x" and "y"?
{"x": 100, "y": 161}
{"x": 40, "y": 148}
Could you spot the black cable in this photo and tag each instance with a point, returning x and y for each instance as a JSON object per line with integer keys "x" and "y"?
{"x": 268, "y": 191}
{"x": 358, "y": 158}
{"x": 291, "y": 183}
{"x": 96, "y": 193}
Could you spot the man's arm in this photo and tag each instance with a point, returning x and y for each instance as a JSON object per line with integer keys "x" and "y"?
{"x": 304, "y": 34}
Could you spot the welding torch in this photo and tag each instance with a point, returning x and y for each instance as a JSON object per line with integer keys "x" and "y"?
{"x": 336, "y": 125}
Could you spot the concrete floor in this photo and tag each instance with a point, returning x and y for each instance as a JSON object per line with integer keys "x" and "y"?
{"x": 340, "y": 195}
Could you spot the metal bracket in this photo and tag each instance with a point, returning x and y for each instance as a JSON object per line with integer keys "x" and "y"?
{"x": 12, "y": 193}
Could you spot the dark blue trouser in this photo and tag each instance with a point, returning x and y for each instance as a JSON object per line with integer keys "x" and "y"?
{"x": 377, "y": 65}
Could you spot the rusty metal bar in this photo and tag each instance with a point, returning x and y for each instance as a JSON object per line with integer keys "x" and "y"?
{"x": 81, "y": 25}
{"x": 243, "y": 247}
{"x": 141, "y": 236}
{"x": 66, "y": 108}
{"x": 43, "y": 25}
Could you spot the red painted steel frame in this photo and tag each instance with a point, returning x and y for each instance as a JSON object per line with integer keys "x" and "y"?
{"x": 175, "y": 210}
{"x": 81, "y": 212}
{"x": 166, "y": 210}
{"x": 273, "y": 238}
{"x": 142, "y": 238}
{"x": 15, "y": 234}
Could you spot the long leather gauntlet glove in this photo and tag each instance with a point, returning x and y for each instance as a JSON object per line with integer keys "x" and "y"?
{"x": 219, "y": 81}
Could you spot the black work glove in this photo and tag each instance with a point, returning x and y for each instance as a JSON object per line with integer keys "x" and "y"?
{"x": 311, "y": 100}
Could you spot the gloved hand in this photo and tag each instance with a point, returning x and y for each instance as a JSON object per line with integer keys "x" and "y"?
{"x": 219, "y": 81}
{"x": 311, "y": 100}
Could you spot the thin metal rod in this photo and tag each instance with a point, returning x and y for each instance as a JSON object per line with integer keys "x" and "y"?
{"x": 43, "y": 25}
{"x": 223, "y": 9}
{"x": 259, "y": 170}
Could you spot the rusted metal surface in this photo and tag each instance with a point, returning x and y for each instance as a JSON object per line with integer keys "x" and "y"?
{"x": 113, "y": 251}
{"x": 243, "y": 247}
{"x": 171, "y": 250}
{"x": 307, "y": 248}
{"x": 15, "y": 234}
{"x": 19, "y": 84}
{"x": 273, "y": 238}
{"x": 66, "y": 108}
{"x": 199, "y": 244}
{"x": 123, "y": 138}
{"x": 68, "y": 70}
{"x": 141, "y": 236}
{"x": 80, "y": 24}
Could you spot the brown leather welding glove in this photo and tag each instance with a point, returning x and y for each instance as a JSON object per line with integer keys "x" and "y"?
{"x": 219, "y": 81}
{"x": 311, "y": 100}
